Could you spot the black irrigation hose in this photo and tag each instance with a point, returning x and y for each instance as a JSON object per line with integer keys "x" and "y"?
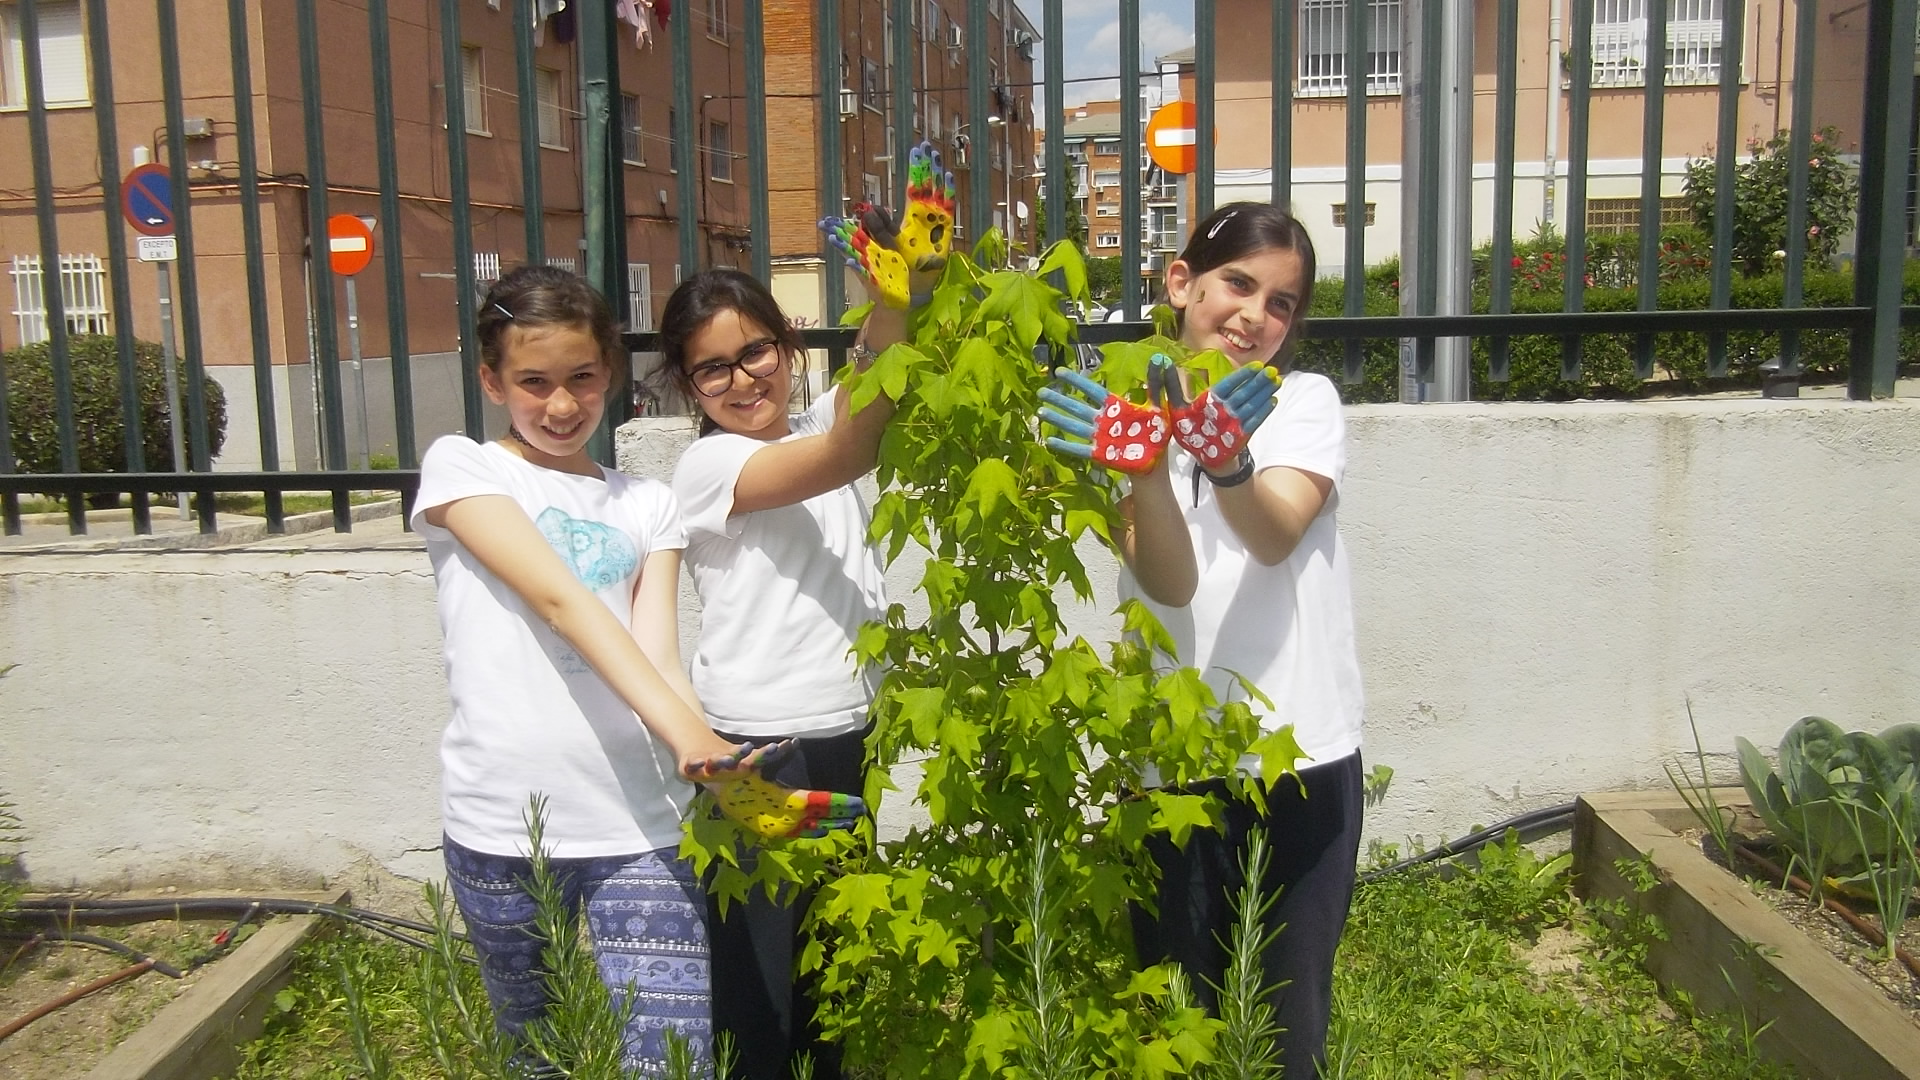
{"x": 1555, "y": 816}
{"x": 69, "y": 937}
{"x": 75, "y": 910}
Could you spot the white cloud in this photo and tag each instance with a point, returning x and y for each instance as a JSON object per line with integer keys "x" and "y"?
{"x": 1091, "y": 45}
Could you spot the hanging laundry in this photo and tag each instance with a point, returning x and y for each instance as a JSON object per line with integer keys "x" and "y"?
{"x": 634, "y": 14}
{"x": 663, "y": 10}
{"x": 542, "y": 11}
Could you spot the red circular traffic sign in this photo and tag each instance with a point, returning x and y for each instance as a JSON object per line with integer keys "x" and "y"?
{"x": 349, "y": 244}
{"x": 146, "y": 199}
{"x": 1170, "y": 136}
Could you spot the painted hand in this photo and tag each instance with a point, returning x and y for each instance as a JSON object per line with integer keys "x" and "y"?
{"x": 1215, "y": 427}
{"x": 777, "y": 812}
{"x": 1120, "y": 435}
{"x": 901, "y": 255}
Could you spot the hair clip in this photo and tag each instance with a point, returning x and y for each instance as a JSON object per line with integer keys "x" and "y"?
{"x": 502, "y": 310}
{"x": 1218, "y": 224}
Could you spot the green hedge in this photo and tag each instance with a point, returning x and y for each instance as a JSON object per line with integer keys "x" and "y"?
{"x": 100, "y": 431}
{"x": 1607, "y": 368}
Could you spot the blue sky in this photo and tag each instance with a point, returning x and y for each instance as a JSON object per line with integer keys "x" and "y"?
{"x": 1092, "y": 40}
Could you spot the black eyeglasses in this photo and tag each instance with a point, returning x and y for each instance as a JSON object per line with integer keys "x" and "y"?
{"x": 758, "y": 360}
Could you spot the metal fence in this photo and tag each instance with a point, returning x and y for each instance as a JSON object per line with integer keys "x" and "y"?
{"x": 1315, "y": 47}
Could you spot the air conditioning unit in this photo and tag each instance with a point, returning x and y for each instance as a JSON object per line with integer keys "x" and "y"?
{"x": 849, "y": 103}
{"x": 1022, "y": 42}
{"x": 959, "y": 160}
{"x": 959, "y": 36}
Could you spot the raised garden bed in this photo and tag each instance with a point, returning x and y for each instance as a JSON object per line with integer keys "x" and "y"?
{"x": 1731, "y": 951}
{"x": 185, "y": 1029}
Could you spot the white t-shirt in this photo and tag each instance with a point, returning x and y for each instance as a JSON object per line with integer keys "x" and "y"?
{"x": 783, "y": 593}
{"x": 1288, "y": 628}
{"x": 529, "y": 714}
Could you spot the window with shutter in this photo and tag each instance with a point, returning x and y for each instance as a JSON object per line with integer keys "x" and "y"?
{"x": 63, "y": 55}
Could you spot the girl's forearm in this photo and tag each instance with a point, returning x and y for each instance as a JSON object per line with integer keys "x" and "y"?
{"x": 665, "y": 709}
{"x": 1157, "y": 547}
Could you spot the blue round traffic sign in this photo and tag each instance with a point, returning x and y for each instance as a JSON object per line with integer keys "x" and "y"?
{"x": 146, "y": 199}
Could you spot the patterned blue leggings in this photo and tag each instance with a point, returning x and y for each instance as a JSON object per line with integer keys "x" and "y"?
{"x": 647, "y": 917}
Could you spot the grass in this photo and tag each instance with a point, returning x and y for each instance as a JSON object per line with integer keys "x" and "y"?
{"x": 1433, "y": 981}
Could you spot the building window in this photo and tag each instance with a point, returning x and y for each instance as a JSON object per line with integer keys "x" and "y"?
{"x": 719, "y": 152}
{"x": 1107, "y": 240}
{"x": 639, "y": 297}
{"x": 1623, "y": 215}
{"x": 1106, "y": 178}
{"x": 717, "y": 19}
{"x": 1340, "y": 215}
{"x": 486, "y": 267}
{"x": 562, "y": 262}
{"x": 1620, "y": 42}
{"x": 1107, "y": 210}
{"x": 1163, "y": 224}
{"x": 63, "y": 56}
{"x": 631, "y": 149}
{"x": 1106, "y": 147}
{"x": 673, "y": 139}
{"x": 1322, "y": 69}
{"x": 930, "y": 22}
{"x": 553, "y": 133}
{"x": 871, "y": 90}
{"x": 83, "y": 295}
{"x": 473, "y": 83}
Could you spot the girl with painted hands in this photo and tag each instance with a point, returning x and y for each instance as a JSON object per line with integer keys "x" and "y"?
{"x": 778, "y": 551}
{"x": 556, "y": 583}
{"x": 1232, "y": 543}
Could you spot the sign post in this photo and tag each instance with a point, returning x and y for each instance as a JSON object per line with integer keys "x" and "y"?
{"x": 1172, "y": 141}
{"x": 146, "y": 201}
{"x": 349, "y": 250}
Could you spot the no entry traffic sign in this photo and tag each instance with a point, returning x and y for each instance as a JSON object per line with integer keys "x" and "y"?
{"x": 349, "y": 244}
{"x": 1171, "y": 137}
{"x": 146, "y": 199}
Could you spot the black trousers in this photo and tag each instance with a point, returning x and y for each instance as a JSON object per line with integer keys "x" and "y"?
{"x": 756, "y": 997}
{"x": 1314, "y": 844}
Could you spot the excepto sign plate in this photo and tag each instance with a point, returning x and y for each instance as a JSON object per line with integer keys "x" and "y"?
{"x": 157, "y": 249}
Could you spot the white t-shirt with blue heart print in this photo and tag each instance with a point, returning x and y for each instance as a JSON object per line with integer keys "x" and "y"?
{"x": 529, "y": 715}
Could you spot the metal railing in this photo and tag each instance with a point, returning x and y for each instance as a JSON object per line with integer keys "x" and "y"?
{"x": 1314, "y": 48}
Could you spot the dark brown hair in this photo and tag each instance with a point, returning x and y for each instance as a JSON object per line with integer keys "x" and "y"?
{"x": 536, "y": 297}
{"x": 1240, "y": 229}
{"x": 696, "y": 301}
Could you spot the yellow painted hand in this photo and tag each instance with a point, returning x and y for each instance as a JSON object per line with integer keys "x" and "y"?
{"x": 901, "y": 256}
{"x": 776, "y": 811}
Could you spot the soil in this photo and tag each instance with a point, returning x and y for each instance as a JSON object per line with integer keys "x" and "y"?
{"x": 67, "y": 1044}
{"x": 1826, "y": 928}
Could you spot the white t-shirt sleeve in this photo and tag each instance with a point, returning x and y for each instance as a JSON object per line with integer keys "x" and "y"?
{"x": 1307, "y": 431}
{"x": 660, "y": 526}
{"x": 704, "y": 480}
{"x": 455, "y": 468}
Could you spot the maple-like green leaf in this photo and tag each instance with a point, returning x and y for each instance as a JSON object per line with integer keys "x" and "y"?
{"x": 921, "y": 709}
{"x": 1065, "y": 257}
{"x": 991, "y": 484}
{"x": 857, "y": 897}
{"x": 1279, "y": 754}
{"x": 1135, "y": 619}
{"x": 995, "y": 1035}
{"x": 1178, "y": 815}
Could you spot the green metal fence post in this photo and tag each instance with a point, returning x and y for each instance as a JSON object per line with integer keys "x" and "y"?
{"x": 1131, "y": 211}
{"x": 687, "y": 137}
{"x": 1579, "y": 129}
{"x": 1726, "y": 149}
{"x": 1652, "y": 147}
{"x": 759, "y": 215}
{"x": 1280, "y": 25}
{"x": 1885, "y": 147}
{"x": 532, "y": 203}
{"x": 1204, "y": 122}
{"x": 107, "y": 133}
{"x": 1354, "y": 275}
{"x": 392, "y": 250}
{"x": 826, "y": 22}
{"x": 1799, "y": 149}
{"x": 1506, "y": 97}
{"x": 52, "y": 296}
{"x": 454, "y": 103}
{"x": 1056, "y": 166}
{"x": 187, "y": 307}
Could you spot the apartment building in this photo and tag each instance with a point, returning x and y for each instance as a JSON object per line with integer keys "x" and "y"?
{"x": 1093, "y": 137}
{"x": 487, "y": 81}
{"x": 990, "y": 149}
{"x": 1694, "y": 52}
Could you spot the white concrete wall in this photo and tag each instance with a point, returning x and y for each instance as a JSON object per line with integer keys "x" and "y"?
{"x": 1541, "y": 590}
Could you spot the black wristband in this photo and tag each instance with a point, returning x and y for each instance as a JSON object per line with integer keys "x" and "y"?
{"x": 1238, "y": 476}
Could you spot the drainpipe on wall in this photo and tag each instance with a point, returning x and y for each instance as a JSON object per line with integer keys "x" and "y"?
{"x": 1553, "y": 109}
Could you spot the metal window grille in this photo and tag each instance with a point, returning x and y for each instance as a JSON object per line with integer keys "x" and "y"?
{"x": 1620, "y": 42}
{"x": 562, "y": 262}
{"x": 1322, "y": 65}
{"x": 1623, "y": 215}
{"x": 547, "y": 89}
{"x": 473, "y": 84}
{"x": 639, "y": 297}
{"x": 486, "y": 267}
{"x": 631, "y": 149}
{"x": 1340, "y": 214}
{"x": 83, "y": 292}
{"x": 717, "y": 19}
